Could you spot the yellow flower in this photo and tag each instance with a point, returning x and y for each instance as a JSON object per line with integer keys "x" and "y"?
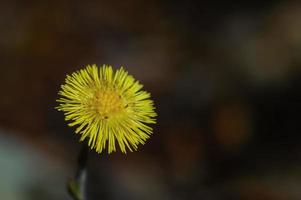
{"x": 106, "y": 107}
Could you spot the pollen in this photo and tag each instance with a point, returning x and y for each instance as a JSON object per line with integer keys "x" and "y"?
{"x": 107, "y": 103}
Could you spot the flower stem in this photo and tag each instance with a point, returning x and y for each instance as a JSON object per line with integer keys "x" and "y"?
{"x": 77, "y": 186}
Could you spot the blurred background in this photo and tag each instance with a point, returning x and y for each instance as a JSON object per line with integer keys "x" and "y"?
{"x": 225, "y": 78}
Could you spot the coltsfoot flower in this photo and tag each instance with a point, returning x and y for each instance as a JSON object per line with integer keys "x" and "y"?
{"x": 107, "y": 107}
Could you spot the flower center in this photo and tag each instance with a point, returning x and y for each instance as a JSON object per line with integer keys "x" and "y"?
{"x": 107, "y": 103}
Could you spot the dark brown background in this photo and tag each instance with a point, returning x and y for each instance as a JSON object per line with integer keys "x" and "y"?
{"x": 225, "y": 78}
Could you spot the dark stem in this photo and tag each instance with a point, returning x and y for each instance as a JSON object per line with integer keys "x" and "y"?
{"x": 77, "y": 185}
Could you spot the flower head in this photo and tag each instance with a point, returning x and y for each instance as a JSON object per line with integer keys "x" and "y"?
{"x": 107, "y": 107}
